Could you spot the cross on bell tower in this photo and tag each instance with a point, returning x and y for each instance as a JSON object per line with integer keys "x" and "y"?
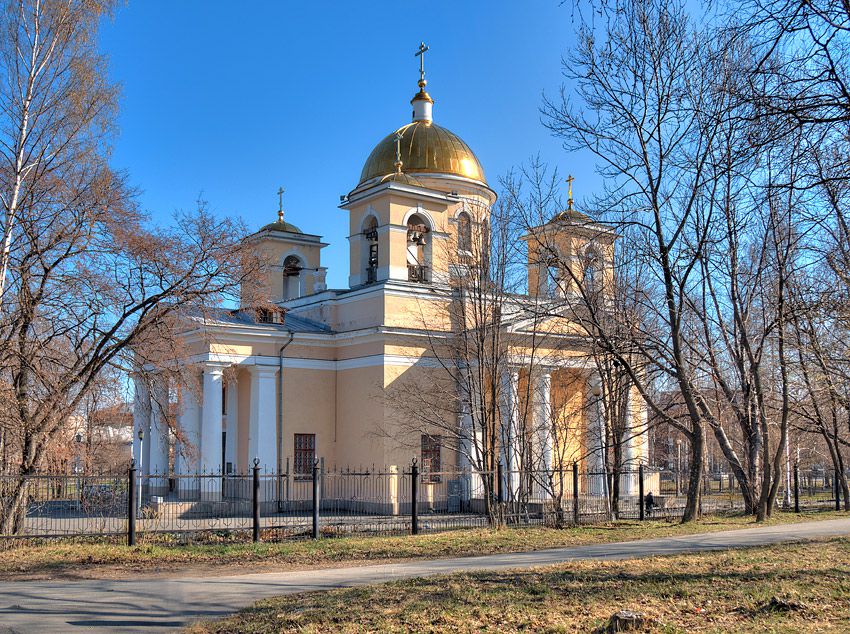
{"x": 280, "y": 203}
{"x": 422, "y": 102}
{"x": 421, "y": 55}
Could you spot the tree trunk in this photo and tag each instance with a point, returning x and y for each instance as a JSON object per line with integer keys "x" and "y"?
{"x": 14, "y": 507}
{"x": 692, "y": 505}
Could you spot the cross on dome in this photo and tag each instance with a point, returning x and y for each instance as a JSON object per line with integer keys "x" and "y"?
{"x": 422, "y": 102}
{"x": 398, "y": 162}
{"x": 421, "y": 55}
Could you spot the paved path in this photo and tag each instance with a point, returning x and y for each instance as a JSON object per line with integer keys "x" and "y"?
{"x": 162, "y": 605}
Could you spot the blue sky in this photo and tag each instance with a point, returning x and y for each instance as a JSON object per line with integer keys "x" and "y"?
{"x": 235, "y": 99}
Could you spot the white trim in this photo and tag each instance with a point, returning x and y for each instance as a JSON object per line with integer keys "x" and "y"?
{"x": 419, "y": 211}
{"x": 370, "y": 213}
{"x": 260, "y": 363}
{"x": 296, "y": 253}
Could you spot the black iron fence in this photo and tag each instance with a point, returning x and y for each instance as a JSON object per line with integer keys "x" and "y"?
{"x": 330, "y": 502}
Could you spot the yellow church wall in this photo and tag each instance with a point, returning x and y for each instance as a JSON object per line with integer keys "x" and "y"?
{"x": 415, "y": 312}
{"x": 361, "y": 311}
{"x": 360, "y": 350}
{"x": 230, "y": 349}
{"x": 313, "y": 415}
{"x": 359, "y": 406}
{"x": 569, "y": 398}
{"x": 396, "y": 253}
{"x": 401, "y": 382}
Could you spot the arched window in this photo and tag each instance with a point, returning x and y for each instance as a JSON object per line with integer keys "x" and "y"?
{"x": 464, "y": 232}
{"x": 591, "y": 276}
{"x": 292, "y": 277}
{"x": 553, "y": 283}
{"x": 370, "y": 236}
{"x": 418, "y": 249}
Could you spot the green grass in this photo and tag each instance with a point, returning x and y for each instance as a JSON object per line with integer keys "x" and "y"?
{"x": 783, "y": 588}
{"x": 170, "y": 554}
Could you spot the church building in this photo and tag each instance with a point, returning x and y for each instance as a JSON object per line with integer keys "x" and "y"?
{"x": 304, "y": 376}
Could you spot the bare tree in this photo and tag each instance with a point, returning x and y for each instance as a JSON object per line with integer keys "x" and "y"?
{"x": 88, "y": 284}
{"x": 648, "y": 108}
{"x": 492, "y": 349}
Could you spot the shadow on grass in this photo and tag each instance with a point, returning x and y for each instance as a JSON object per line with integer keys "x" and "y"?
{"x": 744, "y": 594}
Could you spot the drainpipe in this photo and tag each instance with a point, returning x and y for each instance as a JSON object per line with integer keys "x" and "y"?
{"x": 280, "y": 418}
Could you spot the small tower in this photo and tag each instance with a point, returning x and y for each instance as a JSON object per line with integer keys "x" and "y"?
{"x": 570, "y": 253}
{"x": 292, "y": 257}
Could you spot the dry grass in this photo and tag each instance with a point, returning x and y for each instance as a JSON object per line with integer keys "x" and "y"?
{"x": 96, "y": 559}
{"x": 785, "y": 588}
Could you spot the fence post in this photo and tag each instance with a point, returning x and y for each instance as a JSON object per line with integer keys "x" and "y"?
{"x": 575, "y": 493}
{"x": 796, "y": 488}
{"x": 131, "y": 504}
{"x": 315, "y": 499}
{"x": 500, "y": 485}
{"x": 837, "y": 491}
{"x": 414, "y": 498}
{"x": 255, "y": 500}
{"x": 640, "y": 492}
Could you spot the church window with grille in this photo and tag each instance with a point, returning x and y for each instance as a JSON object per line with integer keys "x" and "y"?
{"x": 430, "y": 458}
{"x": 464, "y": 232}
{"x": 590, "y": 278}
{"x": 418, "y": 250}
{"x": 370, "y": 234}
{"x": 305, "y": 455}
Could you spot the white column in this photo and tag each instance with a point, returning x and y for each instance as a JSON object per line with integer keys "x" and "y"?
{"x": 543, "y": 419}
{"x": 186, "y": 453}
{"x": 210, "y": 441}
{"x": 510, "y": 434}
{"x": 466, "y": 446}
{"x": 262, "y": 424}
{"x": 158, "y": 442}
{"x": 232, "y": 422}
{"x": 189, "y": 425}
{"x": 542, "y": 422}
{"x": 595, "y": 436}
{"x": 629, "y": 482}
{"x": 630, "y": 445}
{"x": 141, "y": 419}
{"x": 476, "y": 442}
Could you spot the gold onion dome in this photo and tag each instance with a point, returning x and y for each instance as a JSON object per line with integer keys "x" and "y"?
{"x": 421, "y": 147}
{"x": 425, "y": 148}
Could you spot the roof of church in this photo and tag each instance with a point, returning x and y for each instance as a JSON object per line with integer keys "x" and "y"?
{"x": 281, "y": 225}
{"x": 571, "y": 214}
{"x": 291, "y": 322}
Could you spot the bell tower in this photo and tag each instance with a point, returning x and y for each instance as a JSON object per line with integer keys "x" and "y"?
{"x": 293, "y": 259}
{"x": 569, "y": 254}
{"x": 418, "y": 185}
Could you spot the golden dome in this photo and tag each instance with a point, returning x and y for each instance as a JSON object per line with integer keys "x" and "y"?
{"x": 425, "y": 148}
